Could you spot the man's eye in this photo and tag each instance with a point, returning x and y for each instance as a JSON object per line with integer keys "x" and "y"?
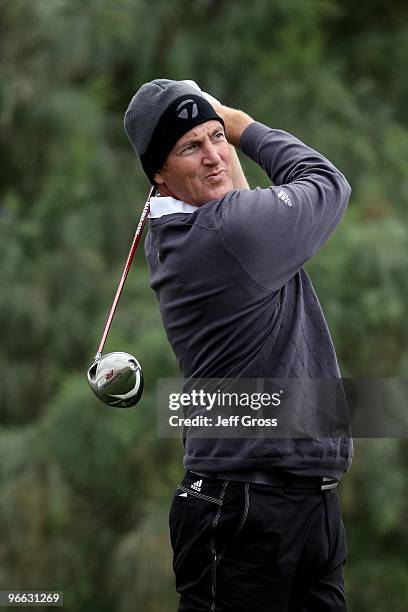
{"x": 218, "y": 136}
{"x": 189, "y": 148}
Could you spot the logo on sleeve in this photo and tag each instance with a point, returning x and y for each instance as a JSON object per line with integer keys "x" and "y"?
{"x": 282, "y": 195}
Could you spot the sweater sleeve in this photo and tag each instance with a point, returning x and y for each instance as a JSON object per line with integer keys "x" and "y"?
{"x": 272, "y": 232}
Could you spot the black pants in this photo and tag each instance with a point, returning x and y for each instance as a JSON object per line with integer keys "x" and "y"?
{"x": 242, "y": 547}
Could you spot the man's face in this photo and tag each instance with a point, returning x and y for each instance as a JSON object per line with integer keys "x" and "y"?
{"x": 198, "y": 168}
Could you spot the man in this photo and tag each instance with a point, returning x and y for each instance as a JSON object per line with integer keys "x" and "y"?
{"x": 255, "y": 524}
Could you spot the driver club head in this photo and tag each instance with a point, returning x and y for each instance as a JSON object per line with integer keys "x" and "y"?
{"x": 116, "y": 379}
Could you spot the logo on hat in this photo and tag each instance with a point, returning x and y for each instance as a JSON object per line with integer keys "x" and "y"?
{"x": 187, "y": 110}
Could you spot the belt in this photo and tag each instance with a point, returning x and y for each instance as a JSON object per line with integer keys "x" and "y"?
{"x": 274, "y": 479}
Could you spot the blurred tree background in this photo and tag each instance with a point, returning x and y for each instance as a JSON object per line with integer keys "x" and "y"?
{"x": 85, "y": 489}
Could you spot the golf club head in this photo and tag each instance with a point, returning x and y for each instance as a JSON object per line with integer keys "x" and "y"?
{"x": 117, "y": 379}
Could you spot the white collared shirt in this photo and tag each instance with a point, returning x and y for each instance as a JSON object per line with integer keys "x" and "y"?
{"x": 167, "y": 205}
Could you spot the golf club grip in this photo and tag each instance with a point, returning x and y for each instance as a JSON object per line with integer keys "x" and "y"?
{"x": 136, "y": 240}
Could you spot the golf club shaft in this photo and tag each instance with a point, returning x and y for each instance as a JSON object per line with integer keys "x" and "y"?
{"x": 136, "y": 239}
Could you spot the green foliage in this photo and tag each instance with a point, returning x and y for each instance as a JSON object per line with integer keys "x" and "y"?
{"x": 84, "y": 489}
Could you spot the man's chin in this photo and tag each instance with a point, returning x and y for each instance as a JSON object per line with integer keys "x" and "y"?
{"x": 216, "y": 192}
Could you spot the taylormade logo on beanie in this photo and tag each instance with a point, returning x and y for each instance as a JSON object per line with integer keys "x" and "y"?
{"x": 159, "y": 114}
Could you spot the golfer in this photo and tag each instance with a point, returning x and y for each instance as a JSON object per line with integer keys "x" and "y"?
{"x": 255, "y": 524}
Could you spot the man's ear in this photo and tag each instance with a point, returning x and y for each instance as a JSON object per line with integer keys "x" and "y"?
{"x": 158, "y": 178}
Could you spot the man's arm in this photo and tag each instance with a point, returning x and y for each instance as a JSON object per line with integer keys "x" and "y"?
{"x": 274, "y": 231}
{"x": 238, "y": 177}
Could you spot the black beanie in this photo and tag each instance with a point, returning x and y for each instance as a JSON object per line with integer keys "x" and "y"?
{"x": 159, "y": 114}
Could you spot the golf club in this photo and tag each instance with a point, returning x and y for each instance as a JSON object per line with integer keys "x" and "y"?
{"x": 116, "y": 378}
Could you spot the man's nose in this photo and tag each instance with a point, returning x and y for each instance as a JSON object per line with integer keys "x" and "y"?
{"x": 210, "y": 154}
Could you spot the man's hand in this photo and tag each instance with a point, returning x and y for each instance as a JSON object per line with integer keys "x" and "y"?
{"x": 236, "y": 121}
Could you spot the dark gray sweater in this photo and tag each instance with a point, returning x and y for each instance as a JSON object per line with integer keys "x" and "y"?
{"x": 236, "y": 302}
